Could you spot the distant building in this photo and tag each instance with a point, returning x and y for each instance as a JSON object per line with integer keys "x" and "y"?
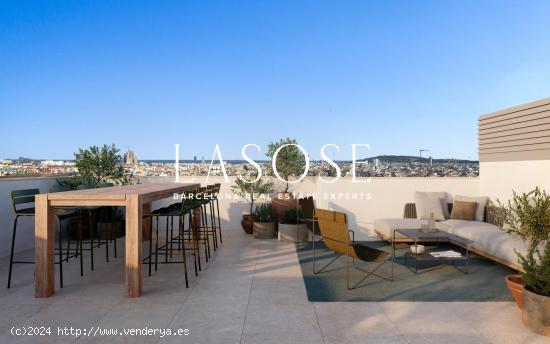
{"x": 130, "y": 158}
{"x": 376, "y": 164}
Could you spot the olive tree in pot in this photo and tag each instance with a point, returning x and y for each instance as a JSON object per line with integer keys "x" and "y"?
{"x": 98, "y": 167}
{"x": 289, "y": 161}
{"x": 290, "y": 228}
{"x": 251, "y": 191}
{"x": 527, "y": 216}
{"x": 264, "y": 226}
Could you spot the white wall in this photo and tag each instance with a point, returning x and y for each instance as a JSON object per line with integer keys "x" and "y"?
{"x": 386, "y": 198}
{"x": 498, "y": 179}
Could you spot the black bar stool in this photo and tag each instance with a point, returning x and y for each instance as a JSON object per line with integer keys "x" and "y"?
{"x": 26, "y": 196}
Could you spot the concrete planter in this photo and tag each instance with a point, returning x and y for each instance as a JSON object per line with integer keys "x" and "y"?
{"x": 536, "y": 312}
{"x": 292, "y": 232}
{"x": 282, "y": 202}
{"x": 264, "y": 230}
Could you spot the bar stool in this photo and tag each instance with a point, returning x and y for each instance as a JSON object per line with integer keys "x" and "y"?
{"x": 93, "y": 213}
{"x": 212, "y": 195}
{"x": 201, "y": 200}
{"x": 194, "y": 202}
{"x": 75, "y": 210}
{"x": 27, "y": 196}
{"x": 179, "y": 211}
{"x": 108, "y": 214}
{"x": 216, "y": 206}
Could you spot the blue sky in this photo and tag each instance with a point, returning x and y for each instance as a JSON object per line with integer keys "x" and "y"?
{"x": 398, "y": 75}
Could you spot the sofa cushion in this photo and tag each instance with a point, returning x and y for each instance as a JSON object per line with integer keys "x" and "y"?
{"x": 486, "y": 237}
{"x": 481, "y": 204}
{"x": 464, "y": 211}
{"x": 430, "y": 204}
{"x": 386, "y": 226}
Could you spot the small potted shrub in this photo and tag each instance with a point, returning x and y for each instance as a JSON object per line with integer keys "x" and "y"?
{"x": 527, "y": 216}
{"x": 251, "y": 192}
{"x": 290, "y": 228}
{"x": 290, "y": 162}
{"x": 264, "y": 226}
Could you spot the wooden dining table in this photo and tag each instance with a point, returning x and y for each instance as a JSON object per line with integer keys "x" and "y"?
{"x": 135, "y": 198}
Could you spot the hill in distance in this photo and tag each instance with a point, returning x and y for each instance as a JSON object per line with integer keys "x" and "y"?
{"x": 410, "y": 158}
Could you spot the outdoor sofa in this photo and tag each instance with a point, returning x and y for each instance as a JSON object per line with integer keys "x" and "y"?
{"x": 481, "y": 237}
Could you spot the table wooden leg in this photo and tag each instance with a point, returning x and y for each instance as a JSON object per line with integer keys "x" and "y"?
{"x": 44, "y": 272}
{"x": 134, "y": 214}
{"x": 146, "y": 222}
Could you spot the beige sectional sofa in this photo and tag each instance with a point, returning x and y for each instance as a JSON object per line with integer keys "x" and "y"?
{"x": 484, "y": 238}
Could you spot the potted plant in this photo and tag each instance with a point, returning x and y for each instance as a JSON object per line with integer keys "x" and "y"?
{"x": 97, "y": 165}
{"x": 290, "y": 162}
{"x": 264, "y": 226}
{"x": 527, "y": 216}
{"x": 251, "y": 192}
{"x": 290, "y": 228}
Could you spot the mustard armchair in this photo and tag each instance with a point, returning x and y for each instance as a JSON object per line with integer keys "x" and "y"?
{"x": 338, "y": 238}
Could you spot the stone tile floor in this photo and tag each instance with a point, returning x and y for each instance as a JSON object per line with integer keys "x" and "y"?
{"x": 250, "y": 292}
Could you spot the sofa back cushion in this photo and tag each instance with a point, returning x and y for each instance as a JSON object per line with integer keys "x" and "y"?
{"x": 409, "y": 212}
{"x": 481, "y": 204}
{"x": 430, "y": 205}
{"x": 464, "y": 211}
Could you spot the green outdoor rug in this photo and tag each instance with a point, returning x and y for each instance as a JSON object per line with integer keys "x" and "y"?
{"x": 433, "y": 282}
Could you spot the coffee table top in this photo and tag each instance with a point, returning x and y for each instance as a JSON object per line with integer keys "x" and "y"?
{"x": 419, "y": 235}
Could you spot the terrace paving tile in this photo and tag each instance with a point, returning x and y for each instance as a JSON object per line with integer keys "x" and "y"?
{"x": 250, "y": 291}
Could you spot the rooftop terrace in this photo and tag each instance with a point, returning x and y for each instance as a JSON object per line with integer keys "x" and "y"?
{"x": 255, "y": 291}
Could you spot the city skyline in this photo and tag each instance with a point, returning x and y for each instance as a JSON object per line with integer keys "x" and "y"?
{"x": 399, "y": 76}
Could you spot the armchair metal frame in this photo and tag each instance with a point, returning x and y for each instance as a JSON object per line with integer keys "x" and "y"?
{"x": 350, "y": 252}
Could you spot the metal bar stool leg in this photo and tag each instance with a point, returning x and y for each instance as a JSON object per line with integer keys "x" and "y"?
{"x": 214, "y": 236}
{"x": 182, "y": 231}
{"x": 156, "y": 244}
{"x": 166, "y": 241}
{"x": 150, "y": 245}
{"x": 68, "y": 245}
{"x": 219, "y": 220}
{"x": 81, "y": 244}
{"x": 185, "y": 269}
{"x": 12, "y": 249}
{"x": 107, "y": 235}
{"x": 171, "y": 234}
{"x": 115, "y": 232}
{"x": 60, "y": 238}
{"x": 91, "y": 242}
{"x": 195, "y": 240}
{"x": 205, "y": 233}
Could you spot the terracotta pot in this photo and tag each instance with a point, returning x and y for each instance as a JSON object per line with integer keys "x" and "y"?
{"x": 264, "y": 230}
{"x": 536, "y": 312}
{"x": 516, "y": 285}
{"x": 247, "y": 223}
{"x": 281, "y": 202}
{"x": 292, "y": 232}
